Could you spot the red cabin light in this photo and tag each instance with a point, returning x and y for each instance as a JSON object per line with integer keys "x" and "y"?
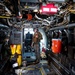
{"x": 50, "y": 9}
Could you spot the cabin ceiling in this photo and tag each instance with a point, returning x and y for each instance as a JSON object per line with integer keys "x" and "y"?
{"x": 27, "y": 13}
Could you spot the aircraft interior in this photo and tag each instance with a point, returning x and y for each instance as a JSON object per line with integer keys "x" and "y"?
{"x": 54, "y": 51}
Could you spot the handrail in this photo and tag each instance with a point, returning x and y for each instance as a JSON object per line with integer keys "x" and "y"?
{"x": 62, "y": 66}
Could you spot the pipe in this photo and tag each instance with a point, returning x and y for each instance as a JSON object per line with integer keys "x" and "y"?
{"x": 33, "y": 7}
{"x": 49, "y": 22}
{"x": 62, "y": 27}
{"x": 38, "y": 17}
{"x": 9, "y": 23}
{"x": 9, "y": 12}
{"x": 66, "y": 32}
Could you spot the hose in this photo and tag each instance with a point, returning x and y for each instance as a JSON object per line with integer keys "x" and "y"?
{"x": 49, "y": 22}
{"x": 32, "y": 69}
{"x": 5, "y": 17}
{"x": 6, "y": 8}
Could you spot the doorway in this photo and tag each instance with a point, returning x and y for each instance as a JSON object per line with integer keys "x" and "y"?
{"x": 28, "y": 53}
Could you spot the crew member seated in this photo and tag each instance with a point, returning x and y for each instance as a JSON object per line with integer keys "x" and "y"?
{"x": 28, "y": 41}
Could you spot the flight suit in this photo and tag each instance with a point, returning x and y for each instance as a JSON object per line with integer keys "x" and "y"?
{"x": 36, "y": 44}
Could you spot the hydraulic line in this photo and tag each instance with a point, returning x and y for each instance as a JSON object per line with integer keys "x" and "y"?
{"x": 5, "y": 17}
{"x": 40, "y": 69}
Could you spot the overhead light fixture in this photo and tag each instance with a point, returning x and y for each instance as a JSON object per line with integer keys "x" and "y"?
{"x": 49, "y": 8}
{"x": 36, "y": 10}
{"x": 40, "y": 11}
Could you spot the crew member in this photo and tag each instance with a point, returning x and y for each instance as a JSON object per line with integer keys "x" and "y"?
{"x": 36, "y": 43}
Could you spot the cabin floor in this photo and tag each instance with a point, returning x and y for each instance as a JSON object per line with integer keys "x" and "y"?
{"x": 41, "y": 68}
